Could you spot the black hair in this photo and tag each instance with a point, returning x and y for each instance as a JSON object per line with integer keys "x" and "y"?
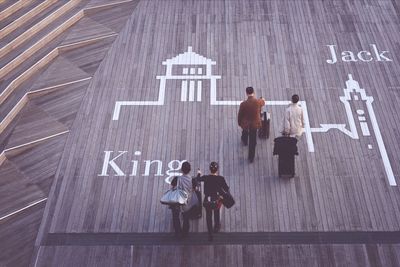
{"x": 213, "y": 167}
{"x": 249, "y": 90}
{"x": 295, "y": 99}
{"x": 185, "y": 167}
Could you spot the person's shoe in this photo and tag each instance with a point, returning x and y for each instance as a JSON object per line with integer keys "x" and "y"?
{"x": 251, "y": 160}
{"x": 217, "y": 227}
{"x": 244, "y": 143}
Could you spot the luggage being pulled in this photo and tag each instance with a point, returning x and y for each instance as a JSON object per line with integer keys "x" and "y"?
{"x": 286, "y": 149}
{"x": 263, "y": 132}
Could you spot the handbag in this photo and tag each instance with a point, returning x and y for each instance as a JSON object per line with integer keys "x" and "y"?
{"x": 174, "y": 196}
{"x": 227, "y": 199}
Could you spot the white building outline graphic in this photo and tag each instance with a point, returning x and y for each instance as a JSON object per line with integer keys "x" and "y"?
{"x": 351, "y": 95}
{"x": 196, "y": 69}
{"x": 191, "y": 77}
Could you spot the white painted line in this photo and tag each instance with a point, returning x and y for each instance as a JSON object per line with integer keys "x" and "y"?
{"x": 189, "y": 77}
{"x": 58, "y": 85}
{"x": 350, "y": 118}
{"x": 87, "y": 40}
{"x": 191, "y": 91}
{"x": 107, "y": 5}
{"x": 381, "y": 145}
{"x": 10, "y": 116}
{"x": 3, "y": 156}
{"x": 307, "y": 128}
{"x": 365, "y": 129}
{"x": 35, "y": 141}
{"x": 24, "y": 208}
{"x": 199, "y": 86}
{"x": 280, "y": 103}
{"x": 120, "y": 104}
{"x": 226, "y": 103}
{"x": 184, "y": 89}
{"x": 40, "y": 248}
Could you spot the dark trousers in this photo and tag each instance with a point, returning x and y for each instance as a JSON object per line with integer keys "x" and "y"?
{"x": 249, "y": 136}
{"x": 209, "y": 216}
{"x": 176, "y": 220}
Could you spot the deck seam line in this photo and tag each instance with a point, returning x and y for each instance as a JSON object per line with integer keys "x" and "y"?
{"x": 3, "y": 154}
{"x": 22, "y": 209}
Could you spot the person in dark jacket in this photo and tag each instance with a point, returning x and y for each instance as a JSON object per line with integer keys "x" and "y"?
{"x": 249, "y": 120}
{"x": 286, "y": 148}
{"x": 213, "y": 186}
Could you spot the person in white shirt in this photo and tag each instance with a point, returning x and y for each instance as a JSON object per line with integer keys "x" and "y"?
{"x": 293, "y": 120}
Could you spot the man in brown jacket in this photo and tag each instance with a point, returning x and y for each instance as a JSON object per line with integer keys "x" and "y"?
{"x": 249, "y": 120}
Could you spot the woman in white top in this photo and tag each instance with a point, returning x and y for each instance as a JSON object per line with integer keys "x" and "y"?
{"x": 293, "y": 121}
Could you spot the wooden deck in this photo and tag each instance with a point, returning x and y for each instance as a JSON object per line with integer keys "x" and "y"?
{"x": 280, "y": 48}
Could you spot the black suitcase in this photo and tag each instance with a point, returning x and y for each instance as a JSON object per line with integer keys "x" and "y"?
{"x": 263, "y": 132}
{"x": 286, "y": 149}
{"x": 227, "y": 199}
{"x": 286, "y": 166}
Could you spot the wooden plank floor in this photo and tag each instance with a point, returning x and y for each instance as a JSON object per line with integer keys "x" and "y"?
{"x": 230, "y": 255}
{"x": 280, "y": 48}
{"x": 27, "y": 24}
{"x": 18, "y": 235}
{"x": 19, "y": 13}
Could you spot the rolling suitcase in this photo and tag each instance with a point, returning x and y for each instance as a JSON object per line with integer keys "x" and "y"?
{"x": 286, "y": 166}
{"x": 286, "y": 149}
{"x": 263, "y": 133}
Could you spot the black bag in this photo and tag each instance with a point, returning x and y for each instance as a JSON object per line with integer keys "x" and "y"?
{"x": 263, "y": 132}
{"x": 196, "y": 211}
{"x": 227, "y": 199}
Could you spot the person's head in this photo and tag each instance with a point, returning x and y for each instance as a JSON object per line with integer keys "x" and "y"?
{"x": 213, "y": 167}
{"x": 249, "y": 90}
{"x": 185, "y": 167}
{"x": 295, "y": 99}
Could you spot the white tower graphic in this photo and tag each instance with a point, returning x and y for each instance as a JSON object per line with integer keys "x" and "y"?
{"x": 355, "y": 100}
